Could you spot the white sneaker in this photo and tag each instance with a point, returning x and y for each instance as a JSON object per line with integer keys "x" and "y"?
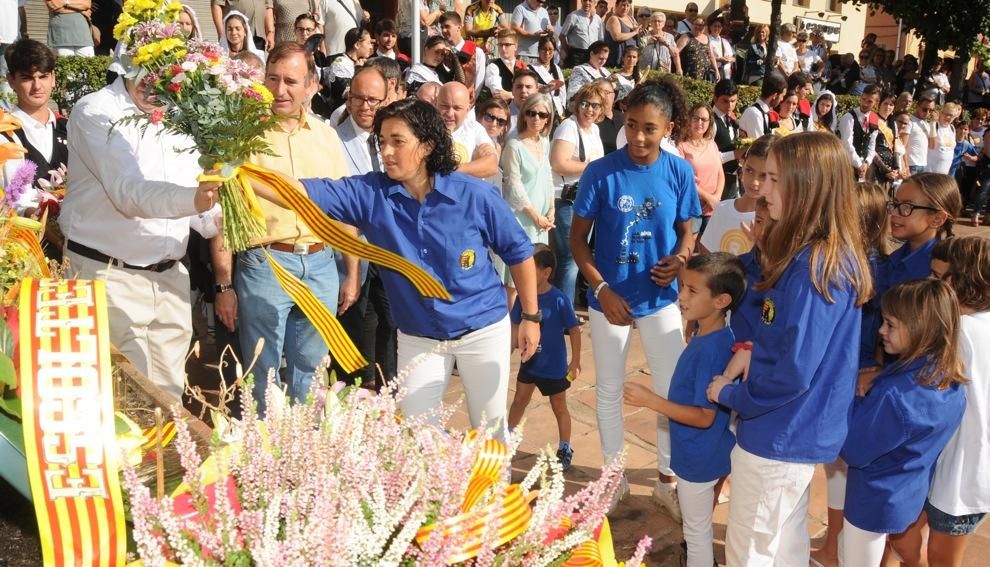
{"x": 619, "y": 494}
{"x": 665, "y": 495}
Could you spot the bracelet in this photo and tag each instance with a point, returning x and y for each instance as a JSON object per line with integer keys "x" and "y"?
{"x": 742, "y": 346}
{"x": 599, "y": 288}
{"x": 222, "y": 288}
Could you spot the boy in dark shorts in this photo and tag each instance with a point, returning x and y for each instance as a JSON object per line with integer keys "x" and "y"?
{"x": 548, "y": 369}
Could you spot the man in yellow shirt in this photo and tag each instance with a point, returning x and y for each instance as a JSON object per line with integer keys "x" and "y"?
{"x": 252, "y": 300}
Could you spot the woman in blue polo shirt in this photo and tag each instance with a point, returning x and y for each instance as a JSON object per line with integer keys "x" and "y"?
{"x": 641, "y": 200}
{"x": 446, "y": 222}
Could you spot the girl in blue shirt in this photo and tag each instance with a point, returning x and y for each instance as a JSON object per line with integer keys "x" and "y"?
{"x": 902, "y": 424}
{"x": 641, "y": 201}
{"x": 794, "y": 405}
{"x": 446, "y": 222}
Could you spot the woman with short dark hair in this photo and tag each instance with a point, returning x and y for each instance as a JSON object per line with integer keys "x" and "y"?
{"x": 420, "y": 208}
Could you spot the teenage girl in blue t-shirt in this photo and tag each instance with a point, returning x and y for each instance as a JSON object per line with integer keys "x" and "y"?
{"x": 641, "y": 201}
{"x": 793, "y": 407}
{"x": 902, "y": 424}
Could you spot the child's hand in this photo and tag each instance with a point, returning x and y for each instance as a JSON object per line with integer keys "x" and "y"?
{"x": 715, "y": 388}
{"x": 739, "y": 365}
{"x": 747, "y": 228}
{"x": 574, "y": 370}
{"x": 637, "y": 395}
{"x": 865, "y": 380}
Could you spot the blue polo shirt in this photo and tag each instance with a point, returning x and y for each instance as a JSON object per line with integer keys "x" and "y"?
{"x": 745, "y": 319}
{"x": 701, "y": 454}
{"x": 550, "y": 360}
{"x": 896, "y": 435}
{"x": 635, "y": 208}
{"x": 448, "y": 235}
{"x": 905, "y": 265}
{"x": 795, "y": 405}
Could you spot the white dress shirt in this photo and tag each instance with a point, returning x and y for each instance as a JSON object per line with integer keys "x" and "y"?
{"x": 725, "y": 120}
{"x": 130, "y": 195}
{"x": 847, "y": 129}
{"x": 754, "y": 122}
{"x": 917, "y": 146}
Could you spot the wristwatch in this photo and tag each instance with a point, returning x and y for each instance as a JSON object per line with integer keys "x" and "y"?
{"x": 534, "y": 317}
{"x": 223, "y": 287}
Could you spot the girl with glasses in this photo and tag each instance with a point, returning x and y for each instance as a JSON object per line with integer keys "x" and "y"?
{"x": 527, "y": 183}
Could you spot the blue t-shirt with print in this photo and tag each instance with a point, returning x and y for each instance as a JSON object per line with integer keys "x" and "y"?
{"x": 701, "y": 454}
{"x": 550, "y": 360}
{"x": 635, "y": 209}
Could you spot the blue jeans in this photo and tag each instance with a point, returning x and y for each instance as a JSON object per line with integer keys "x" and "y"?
{"x": 565, "y": 279}
{"x": 982, "y": 192}
{"x": 917, "y": 169}
{"x": 266, "y": 312}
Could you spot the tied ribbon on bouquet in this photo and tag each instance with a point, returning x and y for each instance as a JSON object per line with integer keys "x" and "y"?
{"x": 347, "y": 355}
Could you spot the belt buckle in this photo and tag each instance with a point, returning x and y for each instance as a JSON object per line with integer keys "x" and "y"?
{"x": 300, "y": 249}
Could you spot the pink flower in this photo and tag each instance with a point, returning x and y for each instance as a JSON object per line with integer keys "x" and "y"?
{"x": 157, "y": 115}
{"x": 174, "y": 87}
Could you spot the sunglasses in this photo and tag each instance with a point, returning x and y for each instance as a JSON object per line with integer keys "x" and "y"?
{"x": 495, "y": 119}
{"x": 538, "y": 114}
{"x": 506, "y": 44}
{"x": 585, "y": 105}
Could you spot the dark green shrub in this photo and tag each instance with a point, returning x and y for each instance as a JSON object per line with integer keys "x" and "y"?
{"x": 76, "y": 77}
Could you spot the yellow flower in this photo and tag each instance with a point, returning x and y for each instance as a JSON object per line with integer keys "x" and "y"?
{"x": 152, "y": 51}
{"x": 124, "y": 23}
{"x": 266, "y": 95}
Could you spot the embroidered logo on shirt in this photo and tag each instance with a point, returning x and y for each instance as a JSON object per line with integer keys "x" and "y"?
{"x": 467, "y": 259}
{"x": 625, "y": 203}
{"x": 769, "y": 311}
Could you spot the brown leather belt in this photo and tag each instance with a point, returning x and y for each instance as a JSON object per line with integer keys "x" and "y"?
{"x": 300, "y": 249}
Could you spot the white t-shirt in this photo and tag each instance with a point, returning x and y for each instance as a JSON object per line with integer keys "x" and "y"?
{"x": 531, "y": 21}
{"x": 467, "y": 138}
{"x": 940, "y": 158}
{"x": 9, "y": 20}
{"x": 788, "y": 56}
{"x": 917, "y": 151}
{"x": 962, "y": 484}
{"x": 724, "y": 233}
{"x": 808, "y": 61}
{"x": 593, "y": 149}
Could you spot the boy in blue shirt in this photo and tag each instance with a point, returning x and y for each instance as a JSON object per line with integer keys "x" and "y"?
{"x": 964, "y": 151}
{"x": 699, "y": 429}
{"x": 548, "y": 369}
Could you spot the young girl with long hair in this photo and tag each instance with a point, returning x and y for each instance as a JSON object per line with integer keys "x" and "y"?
{"x": 641, "y": 200}
{"x": 824, "y": 115}
{"x": 902, "y": 424}
{"x": 959, "y": 498}
{"x": 793, "y": 408}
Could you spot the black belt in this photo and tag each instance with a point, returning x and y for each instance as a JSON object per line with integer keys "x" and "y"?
{"x": 457, "y": 338}
{"x": 88, "y": 252}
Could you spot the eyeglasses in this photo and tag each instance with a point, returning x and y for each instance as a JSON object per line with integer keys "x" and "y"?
{"x": 702, "y": 119}
{"x": 926, "y": 109}
{"x": 305, "y": 30}
{"x": 906, "y": 209}
{"x": 538, "y": 114}
{"x": 585, "y": 105}
{"x": 495, "y": 119}
{"x": 372, "y": 102}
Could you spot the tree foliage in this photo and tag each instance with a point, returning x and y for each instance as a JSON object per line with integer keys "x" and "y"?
{"x": 943, "y": 24}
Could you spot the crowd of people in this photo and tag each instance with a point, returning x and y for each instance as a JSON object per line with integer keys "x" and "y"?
{"x": 753, "y": 252}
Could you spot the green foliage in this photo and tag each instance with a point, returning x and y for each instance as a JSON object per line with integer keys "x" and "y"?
{"x": 943, "y": 24}
{"x": 76, "y": 77}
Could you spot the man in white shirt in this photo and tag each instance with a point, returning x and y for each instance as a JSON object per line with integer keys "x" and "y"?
{"x": 755, "y": 121}
{"x": 32, "y": 77}
{"x": 338, "y": 17}
{"x": 858, "y": 131}
{"x": 130, "y": 203}
{"x": 921, "y": 136}
{"x": 498, "y": 75}
{"x": 581, "y": 28}
{"x": 475, "y": 151}
{"x": 785, "y": 50}
{"x": 530, "y": 21}
{"x": 369, "y": 321}
{"x": 450, "y": 28}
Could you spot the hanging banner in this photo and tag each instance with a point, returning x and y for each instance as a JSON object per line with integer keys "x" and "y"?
{"x": 67, "y": 403}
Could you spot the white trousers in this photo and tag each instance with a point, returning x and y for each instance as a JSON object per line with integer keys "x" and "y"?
{"x": 697, "y": 500}
{"x": 835, "y": 476}
{"x": 86, "y": 51}
{"x": 483, "y": 362}
{"x": 662, "y": 340}
{"x": 768, "y": 512}
{"x": 150, "y": 317}
{"x": 860, "y": 548}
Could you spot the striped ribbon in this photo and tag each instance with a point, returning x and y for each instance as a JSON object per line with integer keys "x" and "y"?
{"x": 67, "y": 401}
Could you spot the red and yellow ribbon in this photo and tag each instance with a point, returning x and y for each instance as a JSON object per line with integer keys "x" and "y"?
{"x": 69, "y": 442}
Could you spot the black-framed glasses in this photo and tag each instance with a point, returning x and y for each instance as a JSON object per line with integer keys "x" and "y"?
{"x": 495, "y": 119}
{"x": 586, "y": 104}
{"x": 538, "y": 114}
{"x": 907, "y": 209}
{"x": 305, "y": 30}
{"x": 371, "y": 101}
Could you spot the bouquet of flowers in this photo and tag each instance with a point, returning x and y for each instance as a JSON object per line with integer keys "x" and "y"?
{"x": 344, "y": 480}
{"x": 219, "y": 103}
